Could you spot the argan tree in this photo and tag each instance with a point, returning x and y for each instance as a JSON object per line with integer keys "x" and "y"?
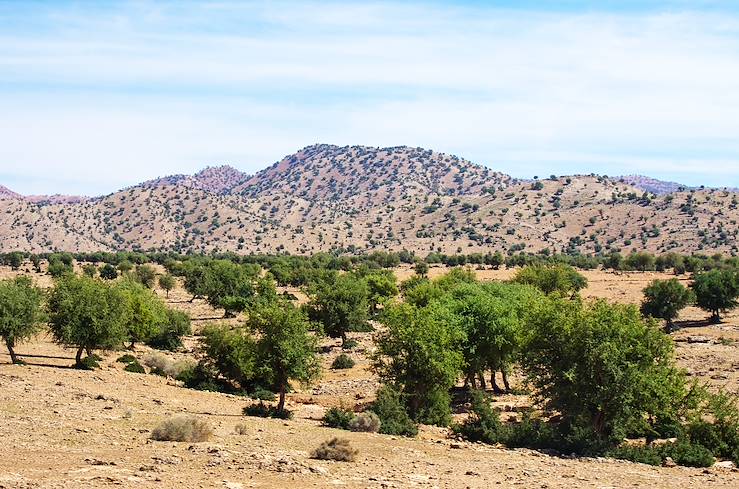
{"x": 340, "y": 305}
{"x": 663, "y": 299}
{"x": 167, "y": 283}
{"x": 285, "y": 349}
{"x": 716, "y": 291}
{"x": 21, "y": 312}
{"x": 86, "y": 314}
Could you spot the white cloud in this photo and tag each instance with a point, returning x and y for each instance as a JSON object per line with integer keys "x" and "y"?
{"x": 150, "y": 89}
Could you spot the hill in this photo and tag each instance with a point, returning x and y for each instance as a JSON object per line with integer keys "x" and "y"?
{"x": 358, "y": 198}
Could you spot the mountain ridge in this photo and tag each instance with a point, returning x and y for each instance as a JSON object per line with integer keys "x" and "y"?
{"x": 357, "y": 198}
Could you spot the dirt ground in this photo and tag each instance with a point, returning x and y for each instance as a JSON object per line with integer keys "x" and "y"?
{"x": 64, "y": 428}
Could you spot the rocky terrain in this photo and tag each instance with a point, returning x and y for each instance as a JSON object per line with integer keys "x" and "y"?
{"x": 358, "y": 198}
{"x": 64, "y": 428}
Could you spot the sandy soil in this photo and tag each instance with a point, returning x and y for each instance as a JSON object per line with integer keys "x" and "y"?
{"x": 63, "y": 428}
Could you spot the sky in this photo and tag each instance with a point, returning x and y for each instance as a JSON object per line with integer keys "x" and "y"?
{"x": 95, "y": 96}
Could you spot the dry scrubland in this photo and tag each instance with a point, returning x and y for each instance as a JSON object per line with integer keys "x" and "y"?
{"x": 67, "y": 428}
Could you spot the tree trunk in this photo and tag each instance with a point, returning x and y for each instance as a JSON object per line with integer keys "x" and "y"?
{"x": 78, "y": 357}
{"x": 13, "y": 356}
{"x": 281, "y": 404}
{"x": 505, "y": 380}
{"x": 496, "y": 389}
{"x": 482, "y": 380}
{"x": 343, "y": 338}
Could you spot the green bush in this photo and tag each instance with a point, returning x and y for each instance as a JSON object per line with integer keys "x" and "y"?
{"x": 343, "y": 361}
{"x": 483, "y": 423}
{"x": 337, "y": 417}
{"x": 394, "y": 419}
{"x": 646, "y": 454}
{"x": 135, "y": 367}
{"x": 262, "y": 394}
{"x": 169, "y": 334}
{"x": 87, "y": 363}
{"x": 127, "y": 358}
{"x": 688, "y": 454}
{"x": 202, "y": 377}
{"x": 263, "y": 410}
{"x": 350, "y": 344}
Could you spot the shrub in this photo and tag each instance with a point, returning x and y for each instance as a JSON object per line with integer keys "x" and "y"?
{"x": 349, "y": 344}
{"x": 262, "y": 394}
{"x": 337, "y": 417}
{"x": 241, "y": 429}
{"x": 643, "y": 454}
{"x": 483, "y": 424}
{"x": 550, "y": 279}
{"x": 263, "y": 410}
{"x": 343, "y": 361}
{"x": 688, "y": 454}
{"x": 337, "y": 449}
{"x": 87, "y": 363}
{"x": 394, "y": 419}
{"x": 182, "y": 428}
{"x": 368, "y": 422}
{"x": 127, "y": 358}
{"x": 135, "y": 367}
{"x": 163, "y": 365}
{"x": 202, "y": 377}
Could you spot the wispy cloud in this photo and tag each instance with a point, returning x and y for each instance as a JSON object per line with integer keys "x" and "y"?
{"x": 106, "y": 96}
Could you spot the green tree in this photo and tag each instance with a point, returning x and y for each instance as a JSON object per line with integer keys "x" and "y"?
{"x": 21, "y": 312}
{"x": 146, "y": 275}
{"x": 641, "y": 261}
{"x": 14, "y": 259}
{"x": 89, "y": 270}
{"x": 419, "y": 351}
{"x": 664, "y": 299}
{"x": 144, "y": 312}
{"x": 167, "y": 283}
{"x": 86, "y": 314}
{"x": 382, "y": 286}
{"x": 340, "y": 305}
{"x": 550, "y": 279}
{"x": 231, "y": 352}
{"x": 601, "y": 366}
{"x": 108, "y": 272}
{"x": 716, "y": 291}
{"x": 285, "y": 348}
{"x": 421, "y": 268}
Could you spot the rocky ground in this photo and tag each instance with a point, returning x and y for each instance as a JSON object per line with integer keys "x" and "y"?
{"x": 64, "y": 428}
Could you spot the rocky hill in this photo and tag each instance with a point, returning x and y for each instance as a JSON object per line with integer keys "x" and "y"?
{"x": 358, "y": 198}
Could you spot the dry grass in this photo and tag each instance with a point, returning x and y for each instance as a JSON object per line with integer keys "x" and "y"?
{"x": 182, "y": 428}
{"x": 368, "y": 422}
{"x": 165, "y": 365}
{"x": 337, "y": 449}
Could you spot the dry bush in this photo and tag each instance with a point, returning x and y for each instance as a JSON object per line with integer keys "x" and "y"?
{"x": 241, "y": 429}
{"x": 335, "y": 449}
{"x": 182, "y": 428}
{"x": 164, "y": 365}
{"x": 367, "y": 421}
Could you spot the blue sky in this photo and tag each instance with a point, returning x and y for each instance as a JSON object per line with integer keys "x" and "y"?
{"x": 95, "y": 96}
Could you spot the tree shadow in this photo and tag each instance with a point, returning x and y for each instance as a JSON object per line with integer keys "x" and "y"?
{"x": 678, "y": 325}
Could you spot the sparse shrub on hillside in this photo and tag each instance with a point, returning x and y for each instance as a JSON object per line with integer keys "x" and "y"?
{"x": 262, "y": 394}
{"x": 88, "y": 363}
{"x": 241, "y": 429}
{"x": 343, "y": 361}
{"x": 367, "y": 422}
{"x": 21, "y": 312}
{"x": 337, "y": 449}
{"x": 182, "y": 429}
{"x": 664, "y": 299}
{"x": 337, "y": 417}
{"x": 349, "y": 344}
{"x": 127, "y": 358}
{"x": 89, "y": 270}
{"x": 421, "y": 268}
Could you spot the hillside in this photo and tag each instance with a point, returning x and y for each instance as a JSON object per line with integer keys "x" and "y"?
{"x": 326, "y": 197}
